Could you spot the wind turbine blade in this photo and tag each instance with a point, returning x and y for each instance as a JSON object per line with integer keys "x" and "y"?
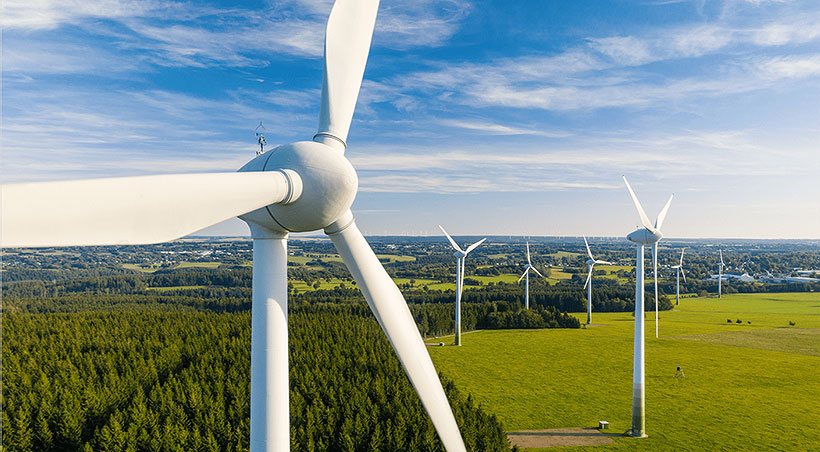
{"x": 474, "y": 245}
{"x": 589, "y": 253}
{"x": 132, "y": 210}
{"x": 389, "y": 305}
{"x": 524, "y": 274}
{"x": 589, "y": 276}
{"x": 528, "y": 253}
{"x": 721, "y": 259}
{"x": 641, "y": 213}
{"x": 452, "y": 242}
{"x": 536, "y": 271}
{"x": 662, "y": 215}
{"x": 604, "y": 262}
{"x": 683, "y": 273}
{"x": 347, "y": 45}
{"x": 681, "y": 256}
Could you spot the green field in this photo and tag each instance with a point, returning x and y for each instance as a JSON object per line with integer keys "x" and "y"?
{"x": 747, "y": 386}
{"x": 151, "y": 268}
{"x": 556, "y": 274}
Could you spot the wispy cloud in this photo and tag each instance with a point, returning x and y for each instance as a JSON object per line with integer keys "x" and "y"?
{"x": 179, "y": 34}
{"x": 626, "y": 71}
{"x": 486, "y": 128}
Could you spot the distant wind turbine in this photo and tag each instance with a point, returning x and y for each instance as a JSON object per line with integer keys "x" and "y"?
{"x": 658, "y": 223}
{"x": 461, "y": 256}
{"x": 588, "y": 285}
{"x": 647, "y": 235}
{"x": 526, "y": 277}
{"x": 720, "y": 272}
{"x": 679, "y": 270}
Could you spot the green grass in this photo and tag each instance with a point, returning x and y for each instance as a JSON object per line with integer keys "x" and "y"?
{"x": 747, "y": 387}
{"x": 198, "y": 265}
{"x": 323, "y": 284}
{"x": 560, "y": 254}
{"x": 396, "y": 257}
{"x": 556, "y": 274}
{"x": 304, "y": 259}
{"x": 611, "y": 269}
{"x": 151, "y": 268}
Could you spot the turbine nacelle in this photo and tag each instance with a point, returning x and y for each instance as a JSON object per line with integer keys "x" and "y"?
{"x": 327, "y": 185}
{"x": 644, "y": 236}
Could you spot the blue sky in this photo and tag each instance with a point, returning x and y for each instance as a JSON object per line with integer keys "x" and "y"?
{"x": 489, "y": 117}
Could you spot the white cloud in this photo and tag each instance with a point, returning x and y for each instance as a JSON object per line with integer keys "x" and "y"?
{"x": 627, "y": 50}
{"x": 185, "y": 35}
{"x": 499, "y": 129}
{"x": 49, "y": 14}
{"x": 407, "y": 24}
{"x": 791, "y": 67}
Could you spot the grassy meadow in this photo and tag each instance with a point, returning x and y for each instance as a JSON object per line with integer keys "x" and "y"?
{"x": 748, "y": 386}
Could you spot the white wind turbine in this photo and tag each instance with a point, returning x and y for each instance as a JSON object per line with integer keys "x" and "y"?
{"x": 588, "y": 285}
{"x": 658, "y": 223}
{"x": 526, "y": 277}
{"x": 647, "y": 235}
{"x": 303, "y": 186}
{"x": 720, "y": 272}
{"x": 679, "y": 271}
{"x": 461, "y": 256}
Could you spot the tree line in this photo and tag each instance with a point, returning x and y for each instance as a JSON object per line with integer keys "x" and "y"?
{"x": 153, "y": 380}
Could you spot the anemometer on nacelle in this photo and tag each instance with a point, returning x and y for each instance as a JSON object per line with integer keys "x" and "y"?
{"x": 260, "y": 138}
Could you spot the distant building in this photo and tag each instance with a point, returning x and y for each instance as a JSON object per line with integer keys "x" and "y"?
{"x": 728, "y": 276}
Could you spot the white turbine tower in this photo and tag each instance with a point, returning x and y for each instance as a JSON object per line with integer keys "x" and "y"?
{"x": 720, "y": 273}
{"x": 461, "y": 256}
{"x": 679, "y": 271}
{"x": 526, "y": 277}
{"x": 303, "y": 186}
{"x": 647, "y": 235}
{"x": 588, "y": 285}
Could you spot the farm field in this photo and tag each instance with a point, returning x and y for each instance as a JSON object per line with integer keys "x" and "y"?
{"x": 556, "y": 274}
{"x": 747, "y": 386}
{"x": 151, "y": 268}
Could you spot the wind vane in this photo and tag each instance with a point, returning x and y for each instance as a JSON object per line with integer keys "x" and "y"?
{"x": 260, "y": 138}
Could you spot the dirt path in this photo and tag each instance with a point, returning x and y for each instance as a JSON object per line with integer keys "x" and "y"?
{"x": 560, "y": 437}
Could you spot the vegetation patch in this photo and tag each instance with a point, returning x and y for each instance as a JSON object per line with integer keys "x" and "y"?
{"x": 559, "y": 437}
{"x": 801, "y": 341}
{"x": 735, "y": 398}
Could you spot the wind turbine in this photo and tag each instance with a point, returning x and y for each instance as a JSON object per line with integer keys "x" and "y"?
{"x": 303, "y": 186}
{"x": 647, "y": 235}
{"x": 588, "y": 285}
{"x": 461, "y": 256}
{"x": 720, "y": 272}
{"x": 679, "y": 270}
{"x": 526, "y": 277}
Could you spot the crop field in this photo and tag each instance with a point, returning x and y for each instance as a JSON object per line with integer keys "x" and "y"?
{"x": 323, "y": 284}
{"x": 752, "y": 385}
{"x": 151, "y": 268}
{"x": 611, "y": 271}
{"x": 556, "y": 274}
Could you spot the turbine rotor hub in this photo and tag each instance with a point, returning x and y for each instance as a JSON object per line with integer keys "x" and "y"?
{"x": 328, "y": 187}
